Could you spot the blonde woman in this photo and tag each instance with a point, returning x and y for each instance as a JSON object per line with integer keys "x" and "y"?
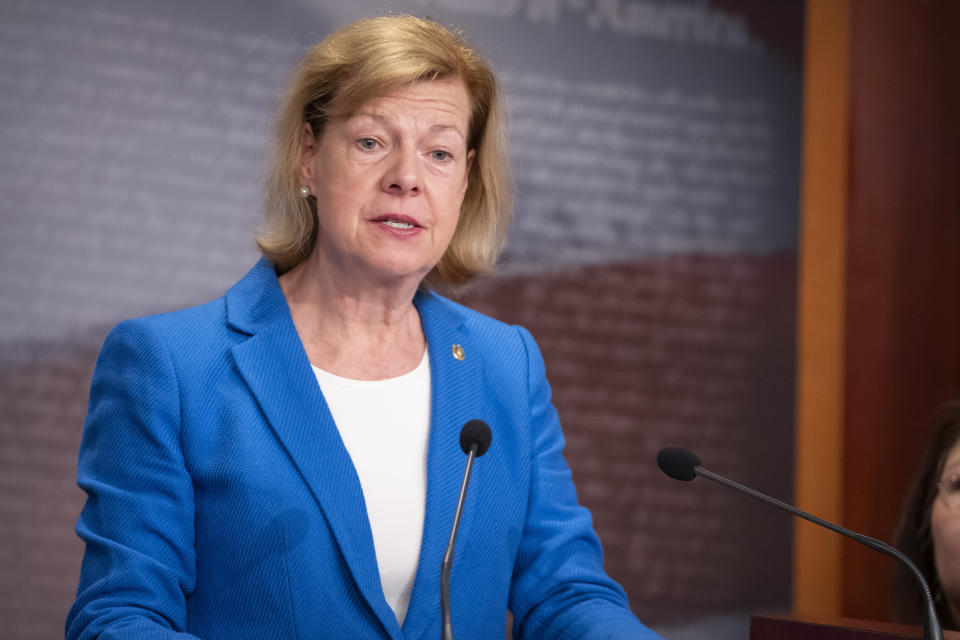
{"x": 283, "y": 462}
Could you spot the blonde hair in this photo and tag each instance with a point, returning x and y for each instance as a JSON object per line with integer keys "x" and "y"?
{"x": 366, "y": 59}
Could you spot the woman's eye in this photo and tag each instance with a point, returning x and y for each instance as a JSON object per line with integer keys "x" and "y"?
{"x": 953, "y": 484}
{"x": 367, "y": 144}
{"x": 440, "y": 155}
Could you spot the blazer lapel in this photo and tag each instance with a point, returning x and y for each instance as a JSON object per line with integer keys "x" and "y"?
{"x": 275, "y": 367}
{"x": 456, "y": 393}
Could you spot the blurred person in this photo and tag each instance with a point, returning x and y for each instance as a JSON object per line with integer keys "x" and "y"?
{"x": 929, "y": 530}
{"x": 284, "y": 461}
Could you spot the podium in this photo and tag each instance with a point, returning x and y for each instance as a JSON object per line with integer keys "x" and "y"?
{"x": 788, "y": 627}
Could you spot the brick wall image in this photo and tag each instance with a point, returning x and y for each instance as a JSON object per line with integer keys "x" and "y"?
{"x": 692, "y": 352}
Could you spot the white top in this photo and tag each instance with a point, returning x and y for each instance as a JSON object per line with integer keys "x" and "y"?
{"x": 384, "y": 425}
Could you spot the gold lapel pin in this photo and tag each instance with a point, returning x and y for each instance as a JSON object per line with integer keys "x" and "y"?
{"x": 457, "y": 351}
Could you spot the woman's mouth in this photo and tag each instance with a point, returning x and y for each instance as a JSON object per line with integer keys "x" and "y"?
{"x": 396, "y": 224}
{"x": 397, "y": 221}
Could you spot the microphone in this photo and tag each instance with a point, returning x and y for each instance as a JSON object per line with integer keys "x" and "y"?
{"x": 681, "y": 464}
{"x": 474, "y": 440}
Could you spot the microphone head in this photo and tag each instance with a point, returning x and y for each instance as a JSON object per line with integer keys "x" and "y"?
{"x": 475, "y": 432}
{"x": 678, "y": 463}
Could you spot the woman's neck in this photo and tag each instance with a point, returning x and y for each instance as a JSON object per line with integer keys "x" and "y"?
{"x": 354, "y": 329}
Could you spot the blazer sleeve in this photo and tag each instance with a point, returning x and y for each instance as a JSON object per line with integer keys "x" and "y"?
{"x": 559, "y": 588}
{"x": 139, "y": 564}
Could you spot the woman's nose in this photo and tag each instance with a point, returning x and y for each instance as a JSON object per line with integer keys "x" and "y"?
{"x": 402, "y": 176}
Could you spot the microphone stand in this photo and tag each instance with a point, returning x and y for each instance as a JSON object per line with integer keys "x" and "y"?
{"x": 448, "y": 554}
{"x": 931, "y": 624}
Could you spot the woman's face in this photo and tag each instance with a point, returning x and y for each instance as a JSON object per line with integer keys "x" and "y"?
{"x": 389, "y": 182}
{"x": 945, "y": 529}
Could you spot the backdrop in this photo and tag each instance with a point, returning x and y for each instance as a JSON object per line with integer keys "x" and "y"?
{"x": 656, "y": 146}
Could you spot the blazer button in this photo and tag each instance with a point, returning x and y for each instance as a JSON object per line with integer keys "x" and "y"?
{"x": 457, "y": 352}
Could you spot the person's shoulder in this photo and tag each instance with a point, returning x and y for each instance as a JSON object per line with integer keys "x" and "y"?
{"x": 207, "y": 321}
{"x": 182, "y": 334}
{"x": 177, "y": 323}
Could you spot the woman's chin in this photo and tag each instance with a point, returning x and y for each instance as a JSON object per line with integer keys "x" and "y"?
{"x": 399, "y": 273}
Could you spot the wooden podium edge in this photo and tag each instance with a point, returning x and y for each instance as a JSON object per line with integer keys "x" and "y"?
{"x": 795, "y": 627}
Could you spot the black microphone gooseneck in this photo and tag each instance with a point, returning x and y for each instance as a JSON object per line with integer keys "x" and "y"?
{"x": 681, "y": 464}
{"x": 474, "y": 440}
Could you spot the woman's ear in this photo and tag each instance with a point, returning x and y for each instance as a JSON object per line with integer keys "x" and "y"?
{"x": 471, "y": 155}
{"x": 308, "y": 155}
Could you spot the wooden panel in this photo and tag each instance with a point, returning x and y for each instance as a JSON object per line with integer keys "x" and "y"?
{"x": 879, "y": 324}
{"x": 902, "y": 353}
{"x": 819, "y": 439}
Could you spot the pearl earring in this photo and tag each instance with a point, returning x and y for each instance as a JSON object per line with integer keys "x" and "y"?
{"x": 304, "y": 192}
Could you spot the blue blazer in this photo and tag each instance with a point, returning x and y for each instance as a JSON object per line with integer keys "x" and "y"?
{"x": 223, "y": 504}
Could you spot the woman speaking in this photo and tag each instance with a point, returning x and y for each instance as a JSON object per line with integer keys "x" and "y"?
{"x": 284, "y": 462}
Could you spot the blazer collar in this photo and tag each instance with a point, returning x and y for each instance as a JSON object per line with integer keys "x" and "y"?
{"x": 275, "y": 366}
{"x": 256, "y": 301}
